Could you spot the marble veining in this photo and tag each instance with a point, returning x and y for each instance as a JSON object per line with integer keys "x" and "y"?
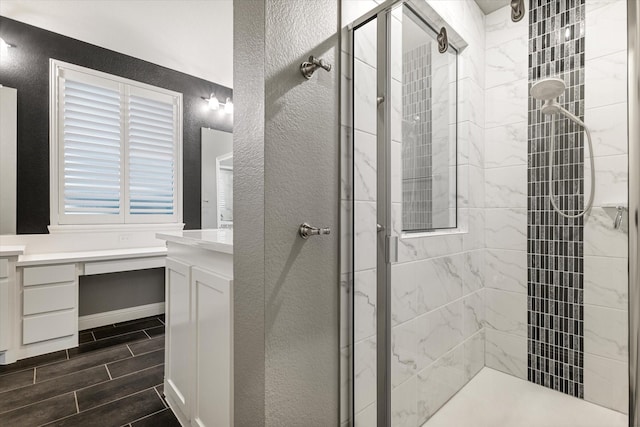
{"x": 506, "y": 228}
{"x": 506, "y": 311}
{"x": 473, "y": 314}
{"x": 606, "y": 282}
{"x": 403, "y": 352}
{"x": 506, "y": 353}
{"x": 605, "y": 332}
{"x": 364, "y": 301}
{"x": 506, "y": 145}
{"x": 506, "y": 270}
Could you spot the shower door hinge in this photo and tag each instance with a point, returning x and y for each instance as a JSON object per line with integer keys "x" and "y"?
{"x": 391, "y": 249}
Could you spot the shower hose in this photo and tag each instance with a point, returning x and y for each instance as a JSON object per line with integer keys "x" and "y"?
{"x": 552, "y": 197}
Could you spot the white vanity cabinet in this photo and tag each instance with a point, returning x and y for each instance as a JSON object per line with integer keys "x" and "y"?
{"x": 8, "y": 297}
{"x": 49, "y": 303}
{"x": 178, "y": 336}
{"x": 199, "y": 330}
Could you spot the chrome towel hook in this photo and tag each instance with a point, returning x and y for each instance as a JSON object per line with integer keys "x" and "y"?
{"x": 307, "y": 68}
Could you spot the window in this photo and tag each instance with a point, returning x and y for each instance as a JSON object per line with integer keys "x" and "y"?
{"x": 116, "y": 148}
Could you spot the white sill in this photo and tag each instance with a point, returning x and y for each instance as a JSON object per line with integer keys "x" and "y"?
{"x": 114, "y": 228}
{"x": 436, "y": 233}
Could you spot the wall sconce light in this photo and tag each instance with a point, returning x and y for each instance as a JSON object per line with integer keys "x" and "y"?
{"x": 4, "y": 47}
{"x": 214, "y": 104}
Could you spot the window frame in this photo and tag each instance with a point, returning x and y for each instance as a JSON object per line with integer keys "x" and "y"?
{"x": 59, "y": 221}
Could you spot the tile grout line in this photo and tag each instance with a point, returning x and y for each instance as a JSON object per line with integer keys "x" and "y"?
{"x": 145, "y": 332}
{"x": 129, "y": 348}
{"x": 93, "y": 336}
{"x": 158, "y": 393}
{"x": 75, "y": 396}
{"x": 86, "y": 387}
{"x": 34, "y": 374}
{"x": 101, "y": 405}
{"x": 108, "y": 373}
{"x": 147, "y": 416}
{"x": 130, "y": 332}
{"x": 26, "y": 368}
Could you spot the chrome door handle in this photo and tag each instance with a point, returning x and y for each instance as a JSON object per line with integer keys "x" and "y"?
{"x": 307, "y": 230}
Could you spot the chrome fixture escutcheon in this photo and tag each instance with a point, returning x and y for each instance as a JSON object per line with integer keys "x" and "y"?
{"x": 307, "y": 231}
{"x": 307, "y": 68}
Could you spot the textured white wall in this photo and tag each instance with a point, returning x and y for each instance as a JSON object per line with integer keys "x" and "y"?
{"x": 286, "y": 142}
{"x": 191, "y": 36}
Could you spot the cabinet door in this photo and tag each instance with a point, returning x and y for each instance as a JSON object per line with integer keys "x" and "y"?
{"x": 178, "y": 344}
{"x": 212, "y": 295}
{"x": 5, "y": 313}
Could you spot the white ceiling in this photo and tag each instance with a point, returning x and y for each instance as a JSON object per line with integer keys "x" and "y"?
{"x": 489, "y": 6}
{"x": 191, "y": 36}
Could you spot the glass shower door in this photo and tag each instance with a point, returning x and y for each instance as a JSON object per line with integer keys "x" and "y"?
{"x": 404, "y": 182}
{"x": 364, "y": 191}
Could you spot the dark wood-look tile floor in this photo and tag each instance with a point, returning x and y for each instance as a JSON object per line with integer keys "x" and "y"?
{"x": 113, "y": 378}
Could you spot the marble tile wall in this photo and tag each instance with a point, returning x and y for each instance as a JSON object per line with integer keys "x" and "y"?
{"x": 437, "y": 285}
{"x": 506, "y": 193}
{"x": 460, "y": 300}
{"x": 438, "y": 282}
{"x": 605, "y": 249}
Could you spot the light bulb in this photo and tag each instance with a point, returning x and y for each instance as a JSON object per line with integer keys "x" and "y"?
{"x": 4, "y": 47}
{"x": 228, "y": 106}
{"x": 213, "y": 102}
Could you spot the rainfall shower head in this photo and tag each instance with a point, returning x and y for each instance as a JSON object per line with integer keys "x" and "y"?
{"x": 548, "y": 90}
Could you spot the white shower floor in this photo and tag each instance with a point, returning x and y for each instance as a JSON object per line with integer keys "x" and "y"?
{"x": 495, "y": 399}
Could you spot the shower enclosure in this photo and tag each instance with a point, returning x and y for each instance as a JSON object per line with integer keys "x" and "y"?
{"x": 454, "y": 258}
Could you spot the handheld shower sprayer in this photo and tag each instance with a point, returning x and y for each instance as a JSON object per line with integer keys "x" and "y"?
{"x": 548, "y": 90}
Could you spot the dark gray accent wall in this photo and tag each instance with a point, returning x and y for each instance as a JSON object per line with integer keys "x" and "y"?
{"x": 28, "y": 71}
{"x": 114, "y": 291}
{"x": 555, "y": 244}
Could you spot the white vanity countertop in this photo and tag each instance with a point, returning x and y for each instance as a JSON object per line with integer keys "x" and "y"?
{"x": 220, "y": 240}
{"x": 11, "y": 250}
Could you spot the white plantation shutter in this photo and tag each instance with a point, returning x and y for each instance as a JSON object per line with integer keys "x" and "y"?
{"x": 152, "y": 154}
{"x": 90, "y": 134}
{"x": 118, "y": 147}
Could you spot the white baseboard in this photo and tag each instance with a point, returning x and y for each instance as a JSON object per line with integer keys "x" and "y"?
{"x": 115, "y": 316}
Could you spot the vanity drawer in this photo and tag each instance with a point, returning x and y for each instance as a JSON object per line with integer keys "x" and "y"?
{"x": 49, "y": 274}
{"x": 43, "y": 327}
{"x": 47, "y": 298}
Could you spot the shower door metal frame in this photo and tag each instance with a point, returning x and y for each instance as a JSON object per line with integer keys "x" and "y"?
{"x": 383, "y": 217}
{"x": 384, "y": 237}
{"x": 383, "y": 212}
{"x": 633, "y": 102}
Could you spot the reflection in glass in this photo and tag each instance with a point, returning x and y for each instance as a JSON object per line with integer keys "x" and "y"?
{"x": 216, "y": 145}
{"x": 428, "y": 100}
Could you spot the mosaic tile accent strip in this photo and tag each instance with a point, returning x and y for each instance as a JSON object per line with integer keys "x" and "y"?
{"x": 417, "y": 181}
{"x": 555, "y": 315}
